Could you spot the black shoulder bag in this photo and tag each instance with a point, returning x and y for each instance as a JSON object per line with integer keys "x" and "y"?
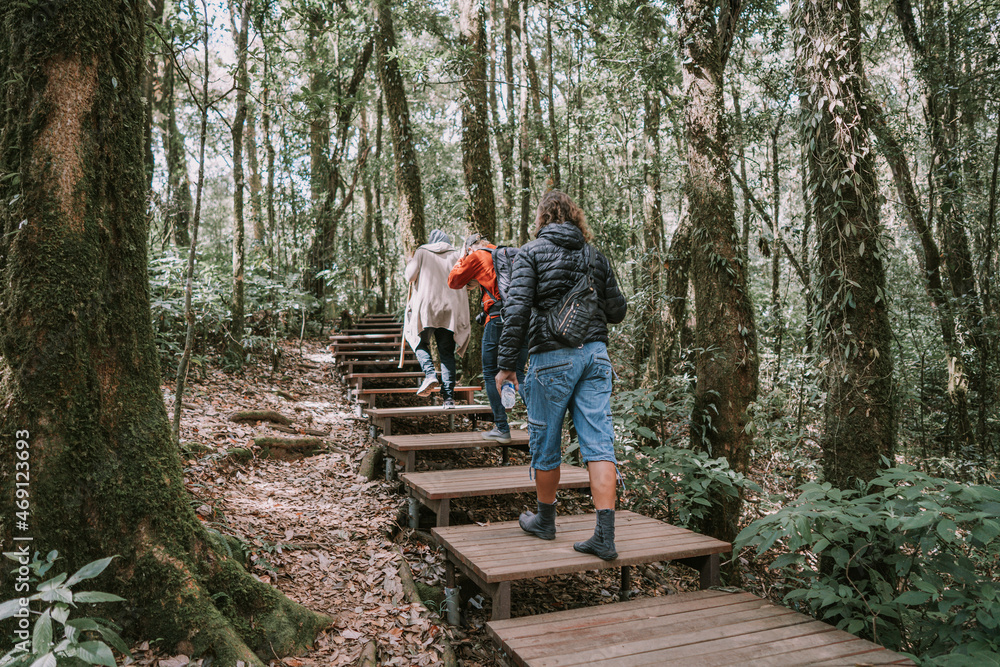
{"x": 570, "y": 319}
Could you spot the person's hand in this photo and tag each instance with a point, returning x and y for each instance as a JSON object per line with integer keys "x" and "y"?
{"x": 506, "y": 376}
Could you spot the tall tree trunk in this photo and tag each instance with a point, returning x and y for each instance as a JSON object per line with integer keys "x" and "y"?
{"x": 676, "y": 281}
{"x": 256, "y": 214}
{"x": 860, "y": 424}
{"x": 524, "y": 145}
{"x": 319, "y": 111}
{"x": 189, "y": 318}
{"x": 369, "y": 258}
{"x": 154, "y": 17}
{"x": 239, "y": 233}
{"x": 553, "y": 128}
{"x": 330, "y": 211}
{"x": 81, "y": 380}
{"x": 383, "y": 284}
{"x": 650, "y": 344}
{"x": 930, "y": 257}
{"x": 412, "y": 231}
{"x": 179, "y": 183}
{"x": 476, "y": 160}
{"x": 741, "y": 154}
{"x": 726, "y": 334}
{"x": 265, "y": 115}
{"x": 504, "y": 130}
{"x": 934, "y": 54}
{"x": 777, "y": 318}
{"x": 807, "y": 224}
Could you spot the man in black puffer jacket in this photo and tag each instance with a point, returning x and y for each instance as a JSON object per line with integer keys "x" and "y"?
{"x": 563, "y": 378}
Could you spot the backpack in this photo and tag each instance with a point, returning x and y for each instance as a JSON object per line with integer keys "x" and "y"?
{"x": 503, "y": 266}
{"x": 571, "y": 317}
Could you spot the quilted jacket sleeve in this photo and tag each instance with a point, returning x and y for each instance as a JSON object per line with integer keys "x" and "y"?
{"x": 517, "y": 309}
{"x": 615, "y": 305}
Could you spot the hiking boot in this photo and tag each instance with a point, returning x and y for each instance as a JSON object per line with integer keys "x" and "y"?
{"x": 541, "y": 525}
{"x": 448, "y": 404}
{"x": 602, "y": 543}
{"x": 497, "y": 435}
{"x": 429, "y": 384}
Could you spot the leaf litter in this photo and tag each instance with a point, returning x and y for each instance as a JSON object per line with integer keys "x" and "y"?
{"x": 325, "y": 537}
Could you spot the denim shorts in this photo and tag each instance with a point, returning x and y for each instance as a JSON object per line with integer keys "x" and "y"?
{"x": 577, "y": 379}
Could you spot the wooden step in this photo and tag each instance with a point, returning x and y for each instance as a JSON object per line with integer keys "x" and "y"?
{"x": 381, "y": 418}
{"x": 703, "y": 628}
{"x": 435, "y": 489}
{"x": 403, "y": 448}
{"x": 368, "y": 396}
{"x": 496, "y": 554}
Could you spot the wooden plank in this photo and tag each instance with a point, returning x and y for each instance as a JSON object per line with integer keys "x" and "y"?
{"x": 706, "y": 628}
{"x": 438, "y": 441}
{"x": 398, "y": 375}
{"x": 413, "y": 390}
{"x": 475, "y": 482}
{"x": 504, "y": 552}
{"x": 427, "y": 410}
{"x": 617, "y": 641}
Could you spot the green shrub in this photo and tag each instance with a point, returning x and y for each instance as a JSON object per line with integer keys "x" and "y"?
{"x": 665, "y": 479}
{"x": 911, "y": 562}
{"x": 42, "y": 646}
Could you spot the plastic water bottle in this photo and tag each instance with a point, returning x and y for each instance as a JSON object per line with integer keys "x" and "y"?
{"x": 507, "y": 395}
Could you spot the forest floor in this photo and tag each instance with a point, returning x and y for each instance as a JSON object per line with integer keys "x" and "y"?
{"x": 330, "y": 539}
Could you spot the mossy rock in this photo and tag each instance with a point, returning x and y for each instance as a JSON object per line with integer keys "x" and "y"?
{"x": 239, "y": 455}
{"x": 432, "y": 596}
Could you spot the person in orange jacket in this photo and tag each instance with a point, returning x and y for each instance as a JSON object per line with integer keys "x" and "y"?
{"x": 476, "y": 266}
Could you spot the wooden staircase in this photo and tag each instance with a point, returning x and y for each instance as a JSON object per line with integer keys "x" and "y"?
{"x": 702, "y": 628}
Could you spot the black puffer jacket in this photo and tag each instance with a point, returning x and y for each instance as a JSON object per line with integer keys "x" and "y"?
{"x": 544, "y": 270}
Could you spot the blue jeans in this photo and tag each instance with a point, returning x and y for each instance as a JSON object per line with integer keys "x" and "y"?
{"x": 491, "y": 349}
{"x": 445, "y": 339}
{"x": 577, "y": 379}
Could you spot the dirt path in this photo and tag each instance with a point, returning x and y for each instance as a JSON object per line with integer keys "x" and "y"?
{"x": 326, "y": 537}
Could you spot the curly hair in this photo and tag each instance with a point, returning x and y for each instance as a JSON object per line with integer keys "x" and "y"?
{"x": 556, "y": 207}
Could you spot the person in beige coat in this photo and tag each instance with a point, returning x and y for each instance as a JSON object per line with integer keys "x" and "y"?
{"x": 436, "y": 311}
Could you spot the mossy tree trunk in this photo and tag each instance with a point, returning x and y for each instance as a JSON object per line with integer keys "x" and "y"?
{"x": 524, "y": 147}
{"x": 412, "y": 232}
{"x": 330, "y": 211}
{"x": 476, "y": 160}
{"x": 726, "y": 336}
{"x": 859, "y": 421}
{"x": 649, "y": 348}
{"x": 236, "y": 310}
{"x": 79, "y": 376}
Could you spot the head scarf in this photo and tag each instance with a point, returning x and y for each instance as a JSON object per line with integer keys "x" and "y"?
{"x": 437, "y": 236}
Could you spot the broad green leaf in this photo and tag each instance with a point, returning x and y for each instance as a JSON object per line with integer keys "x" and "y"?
{"x": 90, "y": 570}
{"x": 9, "y": 608}
{"x": 96, "y": 596}
{"x": 913, "y": 597}
{"x": 96, "y": 653}
{"x": 47, "y": 660}
{"x": 52, "y": 583}
{"x": 41, "y": 636}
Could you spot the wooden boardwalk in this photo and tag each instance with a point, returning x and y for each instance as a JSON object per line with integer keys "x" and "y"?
{"x": 496, "y": 554}
{"x": 404, "y": 448}
{"x": 381, "y": 418}
{"x": 703, "y": 628}
{"x": 436, "y": 489}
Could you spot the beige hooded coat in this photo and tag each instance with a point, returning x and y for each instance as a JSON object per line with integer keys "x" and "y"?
{"x": 433, "y": 303}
